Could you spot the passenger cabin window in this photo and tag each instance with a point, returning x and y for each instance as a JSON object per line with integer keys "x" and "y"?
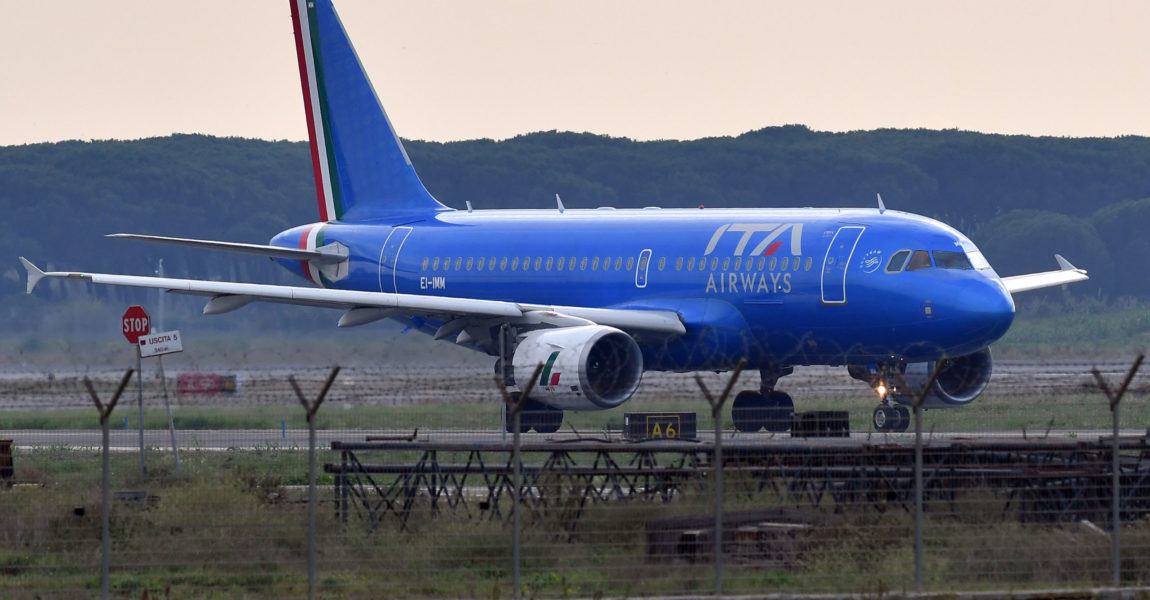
{"x": 897, "y": 261}
{"x": 949, "y": 259}
{"x": 919, "y": 260}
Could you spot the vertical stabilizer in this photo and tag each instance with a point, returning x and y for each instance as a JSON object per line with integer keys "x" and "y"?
{"x": 361, "y": 168}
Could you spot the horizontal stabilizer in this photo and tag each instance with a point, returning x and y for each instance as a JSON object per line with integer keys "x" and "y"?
{"x": 1067, "y": 273}
{"x": 318, "y": 256}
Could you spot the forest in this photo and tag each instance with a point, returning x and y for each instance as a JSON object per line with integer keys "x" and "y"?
{"x": 1020, "y": 198}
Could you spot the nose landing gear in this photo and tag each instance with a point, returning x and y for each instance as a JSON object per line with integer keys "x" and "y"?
{"x": 889, "y": 416}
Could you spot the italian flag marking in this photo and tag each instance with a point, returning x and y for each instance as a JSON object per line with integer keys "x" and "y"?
{"x": 546, "y": 376}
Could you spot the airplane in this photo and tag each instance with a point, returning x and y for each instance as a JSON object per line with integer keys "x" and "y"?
{"x": 600, "y": 296}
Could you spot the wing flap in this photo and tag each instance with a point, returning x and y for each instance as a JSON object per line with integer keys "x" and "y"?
{"x": 1067, "y": 273}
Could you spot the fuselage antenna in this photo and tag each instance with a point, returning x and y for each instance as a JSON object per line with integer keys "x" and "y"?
{"x": 468, "y": 205}
{"x": 559, "y": 201}
{"x": 881, "y": 206}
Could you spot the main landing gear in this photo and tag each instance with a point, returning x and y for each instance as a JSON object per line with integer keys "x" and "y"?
{"x": 535, "y": 415}
{"x": 766, "y": 408}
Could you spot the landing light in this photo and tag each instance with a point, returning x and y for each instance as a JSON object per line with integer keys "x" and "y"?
{"x": 881, "y": 389}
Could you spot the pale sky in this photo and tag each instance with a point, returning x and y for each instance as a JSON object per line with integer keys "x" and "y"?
{"x": 649, "y": 69}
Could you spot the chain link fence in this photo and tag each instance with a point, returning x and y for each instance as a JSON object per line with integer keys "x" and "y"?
{"x": 417, "y": 491}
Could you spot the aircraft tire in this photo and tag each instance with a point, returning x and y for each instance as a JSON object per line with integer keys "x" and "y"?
{"x": 903, "y": 418}
{"x": 548, "y": 420}
{"x": 883, "y": 417}
{"x": 526, "y": 418}
{"x": 779, "y": 408}
{"x": 749, "y": 411}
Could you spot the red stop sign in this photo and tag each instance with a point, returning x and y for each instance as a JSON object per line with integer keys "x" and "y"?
{"x": 136, "y": 323}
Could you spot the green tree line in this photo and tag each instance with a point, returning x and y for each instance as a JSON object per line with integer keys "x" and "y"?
{"x": 1020, "y": 198}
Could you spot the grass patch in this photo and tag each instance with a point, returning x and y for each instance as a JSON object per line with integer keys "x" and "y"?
{"x": 230, "y": 525}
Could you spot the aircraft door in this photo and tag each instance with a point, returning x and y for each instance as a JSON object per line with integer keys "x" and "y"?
{"x": 838, "y": 258}
{"x": 389, "y": 258}
{"x": 641, "y": 268}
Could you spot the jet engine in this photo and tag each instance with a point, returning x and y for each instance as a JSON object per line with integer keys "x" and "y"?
{"x": 589, "y": 367}
{"x": 960, "y": 381}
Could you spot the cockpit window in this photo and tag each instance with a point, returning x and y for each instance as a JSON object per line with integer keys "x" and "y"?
{"x": 897, "y": 262}
{"x": 919, "y": 260}
{"x": 945, "y": 259}
{"x": 977, "y": 260}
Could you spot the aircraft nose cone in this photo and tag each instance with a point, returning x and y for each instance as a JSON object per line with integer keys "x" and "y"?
{"x": 986, "y": 309}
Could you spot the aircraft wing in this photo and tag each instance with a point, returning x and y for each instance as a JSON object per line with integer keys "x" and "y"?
{"x": 363, "y": 307}
{"x": 1067, "y": 273}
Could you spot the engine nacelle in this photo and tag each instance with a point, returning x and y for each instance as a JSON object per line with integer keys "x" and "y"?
{"x": 589, "y": 367}
{"x": 961, "y": 380}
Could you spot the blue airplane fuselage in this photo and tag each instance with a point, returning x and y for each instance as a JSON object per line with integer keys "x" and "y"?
{"x": 778, "y": 287}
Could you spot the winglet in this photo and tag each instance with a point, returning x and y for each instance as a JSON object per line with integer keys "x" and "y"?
{"x": 881, "y": 206}
{"x": 1065, "y": 265}
{"x": 34, "y": 273}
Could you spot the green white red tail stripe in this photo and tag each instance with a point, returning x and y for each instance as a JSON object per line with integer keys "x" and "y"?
{"x": 310, "y": 239}
{"x": 315, "y": 106}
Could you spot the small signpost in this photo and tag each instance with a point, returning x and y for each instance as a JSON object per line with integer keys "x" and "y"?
{"x": 135, "y": 324}
{"x": 155, "y": 344}
{"x": 137, "y": 328}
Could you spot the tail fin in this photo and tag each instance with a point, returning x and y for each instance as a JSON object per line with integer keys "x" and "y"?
{"x": 361, "y": 168}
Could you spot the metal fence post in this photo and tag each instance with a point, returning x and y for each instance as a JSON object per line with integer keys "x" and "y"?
{"x": 717, "y": 467}
{"x": 1115, "y": 467}
{"x": 917, "y": 403}
{"x": 514, "y": 411}
{"x": 105, "y": 481}
{"x": 311, "y": 409}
